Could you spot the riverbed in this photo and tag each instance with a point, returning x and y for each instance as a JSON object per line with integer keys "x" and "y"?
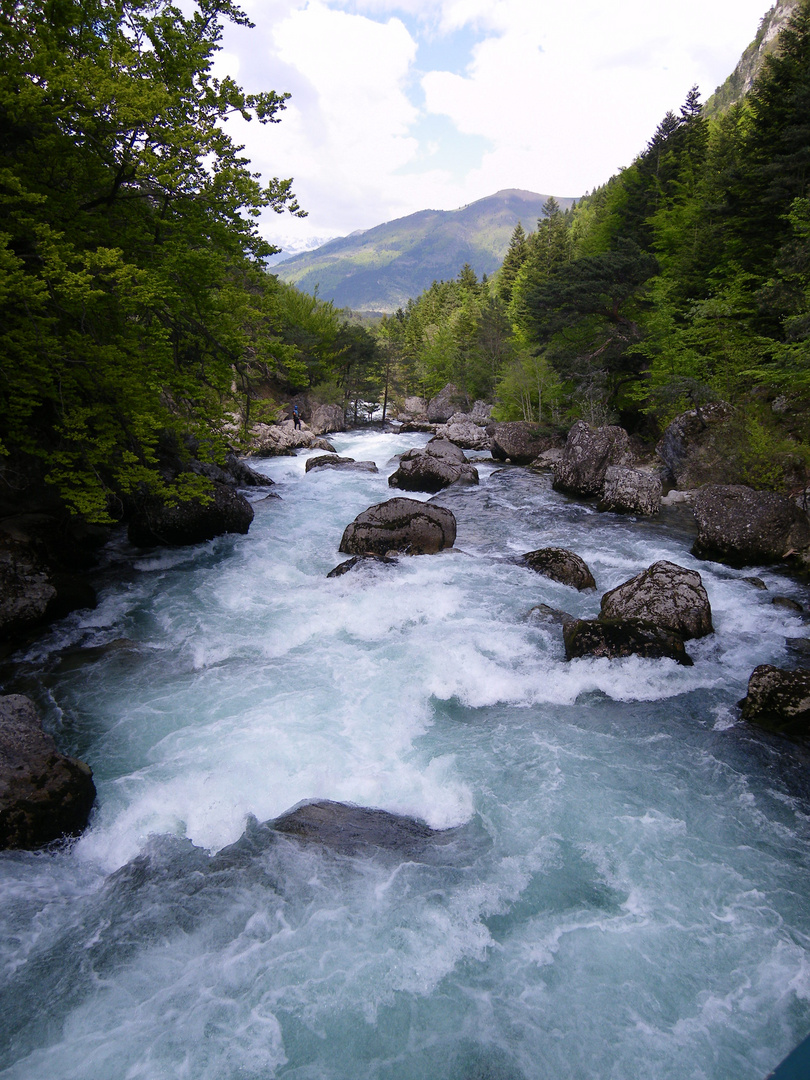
{"x": 624, "y": 893}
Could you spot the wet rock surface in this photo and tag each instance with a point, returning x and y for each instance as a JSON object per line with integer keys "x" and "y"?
{"x": 152, "y": 523}
{"x": 666, "y": 595}
{"x": 630, "y": 491}
{"x": 561, "y": 565}
{"x": 621, "y": 638}
{"x": 437, "y": 466}
{"x": 333, "y": 461}
{"x": 587, "y": 454}
{"x": 741, "y": 526}
{"x": 362, "y": 562}
{"x": 779, "y": 700}
{"x": 44, "y": 795}
{"x": 352, "y": 830}
{"x": 520, "y": 442}
{"x": 404, "y": 525}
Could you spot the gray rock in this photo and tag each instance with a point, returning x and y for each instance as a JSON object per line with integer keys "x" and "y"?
{"x": 544, "y": 613}
{"x": 404, "y": 525}
{"x": 520, "y": 442}
{"x": 481, "y": 413}
{"x": 326, "y": 418}
{"x": 621, "y": 638}
{"x": 446, "y": 402}
{"x": 561, "y": 565}
{"x": 282, "y": 440}
{"x": 740, "y": 526}
{"x": 465, "y": 433}
{"x": 587, "y": 455}
{"x": 692, "y": 449}
{"x": 192, "y": 522}
{"x": 547, "y": 461}
{"x": 440, "y": 464}
{"x": 354, "y": 830}
{"x": 630, "y": 491}
{"x": 361, "y": 561}
{"x": 26, "y": 588}
{"x": 665, "y": 595}
{"x": 778, "y": 699}
{"x": 414, "y": 406}
{"x": 43, "y": 794}
{"x": 788, "y": 603}
{"x": 332, "y": 461}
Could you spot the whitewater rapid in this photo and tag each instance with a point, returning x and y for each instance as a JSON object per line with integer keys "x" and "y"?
{"x": 625, "y": 895}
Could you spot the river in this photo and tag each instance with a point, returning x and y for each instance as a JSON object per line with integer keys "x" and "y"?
{"x": 625, "y": 894}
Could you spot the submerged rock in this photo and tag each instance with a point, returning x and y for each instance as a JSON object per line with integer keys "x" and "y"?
{"x": 621, "y": 638}
{"x": 778, "y": 699}
{"x": 352, "y": 830}
{"x": 666, "y": 595}
{"x": 152, "y": 523}
{"x": 332, "y": 461}
{"x": 44, "y": 795}
{"x": 544, "y": 613}
{"x": 741, "y": 526}
{"x": 405, "y": 525}
{"x": 368, "y": 559}
{"x": 587, "y": 454}
{"x": 630, "y": 491}
{"x": 561, "y": 565}
{"x": 440, "y": 464}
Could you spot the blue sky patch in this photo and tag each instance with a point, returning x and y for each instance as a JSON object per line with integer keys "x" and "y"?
{"x": 443, "y": 146}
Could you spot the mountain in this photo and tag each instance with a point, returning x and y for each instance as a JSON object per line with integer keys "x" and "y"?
{"x": 742, "y": 78}
{"x": 382, "y": 268}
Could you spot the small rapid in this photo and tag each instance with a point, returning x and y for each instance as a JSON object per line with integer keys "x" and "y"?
{"x": 623, "y": 894}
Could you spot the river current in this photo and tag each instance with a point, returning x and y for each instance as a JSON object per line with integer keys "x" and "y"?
{"x": 625, "y": 894}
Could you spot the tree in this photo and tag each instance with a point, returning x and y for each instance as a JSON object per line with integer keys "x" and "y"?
{"x": 129, "y": 250}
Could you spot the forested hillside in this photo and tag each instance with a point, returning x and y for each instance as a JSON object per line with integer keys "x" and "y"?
{"x": 684, "y": 280}
{"x": 134, "y": 306}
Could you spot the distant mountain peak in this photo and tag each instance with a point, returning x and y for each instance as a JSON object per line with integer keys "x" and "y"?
{"x": 381, "y": 268}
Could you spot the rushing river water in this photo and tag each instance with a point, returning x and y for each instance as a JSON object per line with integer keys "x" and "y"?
{"x": 625, "y": 894}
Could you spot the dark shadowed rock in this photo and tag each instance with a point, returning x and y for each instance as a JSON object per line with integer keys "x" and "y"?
{"x": 630, "y": 491}
{"x": 666, "y": 595}
{"x": 587, "y": 454}
{"x": 191, "y": 522}
{"x": 692, "y": 449}
{"x": 43, "y": 794}
{"x": 628, "y": 637}
{"x": 332, "y": 461}
{"x": 440, "y": 464}
{"x": 362, "y": 561}
{"x": 352, "y": 830}
{"x": 740, "y": 526}
{"x": 778, "y": 699}
{"x": 234, "y": 473}
{"x": 561, "y": 565}
{"x": 520, "y": 442}
{"x": 447, "y": 401}
{"x": 405, "y": 525}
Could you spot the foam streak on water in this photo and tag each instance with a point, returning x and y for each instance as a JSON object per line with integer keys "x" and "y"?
{"x": 626, "y": 893}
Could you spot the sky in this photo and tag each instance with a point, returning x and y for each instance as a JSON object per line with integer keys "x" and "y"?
{"x": 405, "y": 105}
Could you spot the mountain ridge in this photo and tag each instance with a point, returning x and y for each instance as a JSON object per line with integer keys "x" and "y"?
{"x": 381, "y": 268}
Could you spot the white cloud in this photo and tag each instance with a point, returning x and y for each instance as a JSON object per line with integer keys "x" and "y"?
{"x": 551, "y": 97}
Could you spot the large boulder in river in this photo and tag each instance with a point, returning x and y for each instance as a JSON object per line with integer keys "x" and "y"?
{"x": 630, "y": 491}
{"x": 332, "y": 461}
{"x": 587, "y": 455}
{"x": 464, "y": 433}
{"x": 327, "y": 418}
{"x": 355, "y": 830}
{"x": 561, "y": 565}
{"x": 440, "y": 464}
{"x": 740, "y": 526}
{"x": 778, "y": 699}
{"x": 446, "y": 402}
{"x": 284, "y": 439}
{"x": 405, "y": 525}
{"x": 194, "y": 521}
{"x": 43, "y": 794}
{"x": 622, "y": 638}
{"x": 520, "y": 441}
{"x": 666, "y": 595}
{"x": 693, "y": 448}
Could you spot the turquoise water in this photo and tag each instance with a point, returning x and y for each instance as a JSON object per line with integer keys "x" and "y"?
{"x": 625, "y": 894}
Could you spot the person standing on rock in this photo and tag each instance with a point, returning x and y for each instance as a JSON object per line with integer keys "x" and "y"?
{"x": 296, "y": 417}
